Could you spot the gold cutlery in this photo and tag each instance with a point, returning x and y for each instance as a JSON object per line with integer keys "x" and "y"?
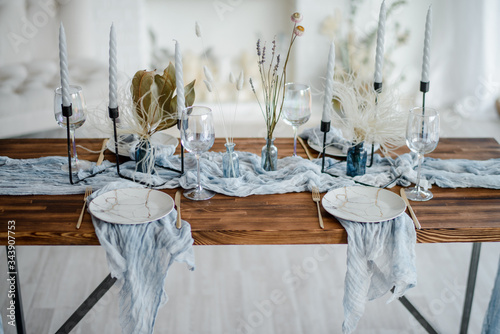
{"x": 178, "y": 205}
{"x": 88, "y": 192}
{"x": 101, "y": 155}
{"x": 303, "y": 144}
{"x": 415, "y": 220}
{"x": 316, "y": 198}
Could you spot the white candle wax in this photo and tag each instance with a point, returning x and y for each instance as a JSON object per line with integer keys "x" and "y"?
{"x": 427, "y": 46}
{"x": 327, "y": 103}
{"x": 113, "y": 86}
{"x": 63, "y": 66}
{"x": 379, "y": 53}
{"x": 179, "y": 80}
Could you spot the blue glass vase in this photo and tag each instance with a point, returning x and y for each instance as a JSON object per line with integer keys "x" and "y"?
{"x": 356, "y": 160}
{"x": 144, "y": 157}
{"x": 230, "y": 162}
{"x": 269, "y": 156}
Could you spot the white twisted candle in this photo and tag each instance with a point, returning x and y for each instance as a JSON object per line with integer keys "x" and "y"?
{"x": 113, "y": 86}
{"x": 63, "y": 67}
{"x": 179, "y": 80}
{"x": 427, "y": 46}
{"x": 379, "y": 55}
{"x": 327, "y": 102}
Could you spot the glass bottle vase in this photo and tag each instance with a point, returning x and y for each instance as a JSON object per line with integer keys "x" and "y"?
{"x": 356, "y": 160}
{"x": 144, "y": 157}
{"x": 269, "y": 156}
{"x": 230, "y": 162}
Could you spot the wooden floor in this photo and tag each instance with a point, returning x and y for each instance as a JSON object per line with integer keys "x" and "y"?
{"x": 230, "y": 289}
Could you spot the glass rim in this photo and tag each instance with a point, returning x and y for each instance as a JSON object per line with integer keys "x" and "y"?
{"x": 432, "y": 111}
{"x": 208, "y": 110}
{"x": 298, "y": 84}
{"x": 73, "y": 89}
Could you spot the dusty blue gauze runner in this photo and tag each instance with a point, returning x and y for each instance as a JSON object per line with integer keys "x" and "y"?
{"x": 491, "y": 322}
{"x": 380, "y": 256}
{"x": 139, "y": 256}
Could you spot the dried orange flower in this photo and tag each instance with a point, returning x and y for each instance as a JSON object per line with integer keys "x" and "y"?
{"x": 299, "y": 30}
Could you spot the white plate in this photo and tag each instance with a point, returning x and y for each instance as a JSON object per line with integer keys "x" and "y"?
{"x": 335, "y": 151}
{"x": 131, "y": 206}
{"x": 159, "y": 138}
{"x": 363, "y": 204}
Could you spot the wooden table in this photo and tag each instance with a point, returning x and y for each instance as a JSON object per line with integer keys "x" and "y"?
{"x": 453, "y": 215}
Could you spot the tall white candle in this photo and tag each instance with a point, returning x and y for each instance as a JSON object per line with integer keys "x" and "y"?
{"x": 327, "y": 103}
{"x": 379, "y": 55}
{"x": 427, "y": 46}
{"x": 113, "y": 86}
{"x": 179, "y": 80}
{"x": 63, "y": 66}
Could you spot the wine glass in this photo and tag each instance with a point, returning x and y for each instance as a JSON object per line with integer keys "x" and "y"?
{"x": 76, "y": 120}
{"x": 296, "y": 107}
{"x": 197, "y": 136}
{"x": 422, "y": 136}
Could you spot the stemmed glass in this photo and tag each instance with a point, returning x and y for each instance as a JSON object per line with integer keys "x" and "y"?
{"x": 197, "y": 136}
{"x": 296, "y": 107}
{"x": 422, "y": 136}
{"x": 76, "y": 120}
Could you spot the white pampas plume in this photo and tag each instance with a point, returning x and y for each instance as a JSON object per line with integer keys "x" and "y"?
{"x": 366, "y": 116}
{"x": 197, "y": 29}
{"x": 232, "y": 79}
{"x": 241, "y": 79}
{"x": 209, "y": 85}
{"x": 208, "y": 74}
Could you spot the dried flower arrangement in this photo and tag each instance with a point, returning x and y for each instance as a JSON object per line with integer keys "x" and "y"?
{"x": 273, "y": 79}
{"x": 365, "y": 116}
{"x": 152, "y": 106}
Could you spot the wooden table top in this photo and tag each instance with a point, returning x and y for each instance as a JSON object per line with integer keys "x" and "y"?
{"x": 453, "y": 215}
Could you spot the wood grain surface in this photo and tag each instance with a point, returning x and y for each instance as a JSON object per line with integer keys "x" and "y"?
{"x": 453, "y": 215}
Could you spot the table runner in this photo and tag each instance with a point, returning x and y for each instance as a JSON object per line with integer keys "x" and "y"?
{"x": 139, "y": 256}
{"x": 294, "y": 174}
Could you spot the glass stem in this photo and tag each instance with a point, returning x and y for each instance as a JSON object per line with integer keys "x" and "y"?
{"x": 74, "y": 157}
{"x": 420, "y": 158}
{"x": 294, "y": 141}
{"x": 198, "y": 174}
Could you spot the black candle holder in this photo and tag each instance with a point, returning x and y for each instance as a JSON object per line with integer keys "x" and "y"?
{"x": 113, "y": 114}
{"x": 67, "y": 112}
{"x": 377, "y": 86}
{"x": 325, "y": 128}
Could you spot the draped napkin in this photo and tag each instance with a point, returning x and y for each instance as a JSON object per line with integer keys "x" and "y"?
{"x": 380, "y": 256}
{"x": 139, "y": 256}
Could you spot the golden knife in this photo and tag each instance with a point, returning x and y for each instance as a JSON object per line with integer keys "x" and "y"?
{"x": 178, "y": 195}
{"x": 101, "y": 155}
{"x": 415, "y": 220}
{"x": 303, "y": 144}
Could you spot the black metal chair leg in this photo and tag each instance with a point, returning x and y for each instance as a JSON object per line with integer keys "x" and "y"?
{"x": 471, "y": 285}
{"x": 87, "y": 305}
{"x": 13, "y": 272}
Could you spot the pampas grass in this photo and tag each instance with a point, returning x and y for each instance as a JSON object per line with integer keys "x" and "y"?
{"x": 365, "y": 116}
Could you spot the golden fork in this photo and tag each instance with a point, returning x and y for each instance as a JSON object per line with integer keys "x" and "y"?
{"x": 303, "y": 144}
{"x": 88, "y": 192}
{"x": 316, "y": 198}
{"x": 412, "y": 213}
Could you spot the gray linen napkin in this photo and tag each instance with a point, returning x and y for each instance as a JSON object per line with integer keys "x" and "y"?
{"x": 379, "y": 256}
{"x": 139, "y": 256}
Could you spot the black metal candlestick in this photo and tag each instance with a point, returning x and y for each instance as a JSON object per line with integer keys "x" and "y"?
{"x": 377, "y": 86}
{"x": 325, "y": 128}
{"x": 67, "y": 111}
{"x": 424, "y": 88}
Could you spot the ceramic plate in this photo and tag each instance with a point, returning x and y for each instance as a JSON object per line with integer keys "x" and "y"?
{"x": 363, "y": 204}
{"x": 335, "y": 151}
{"x": 131, "y": 206}
{"x": 129, "y": 141}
